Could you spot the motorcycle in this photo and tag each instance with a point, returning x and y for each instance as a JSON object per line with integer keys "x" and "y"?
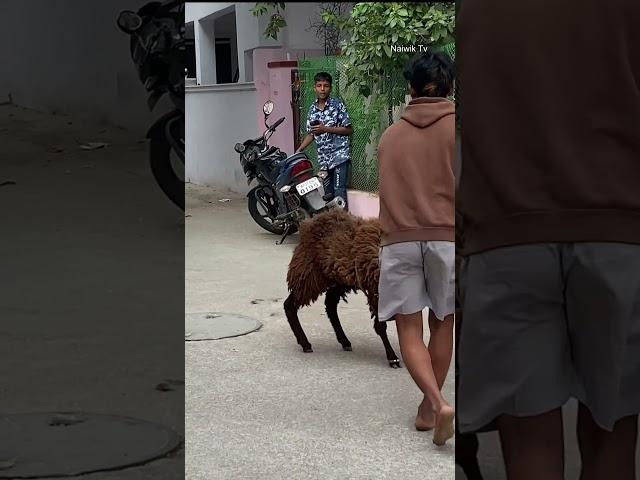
{"x": 288, "y": 190}
{"x": 157, "y": 48}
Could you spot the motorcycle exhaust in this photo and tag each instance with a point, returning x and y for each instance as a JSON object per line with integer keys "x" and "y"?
{"x": 337, "y": 202}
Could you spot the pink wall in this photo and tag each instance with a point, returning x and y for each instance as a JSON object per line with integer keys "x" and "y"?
{"x": 280, "y": 93}
{"x": 275, "y": 84}
{"x": 262, "y": 56}
{"x": 363, "y": 204}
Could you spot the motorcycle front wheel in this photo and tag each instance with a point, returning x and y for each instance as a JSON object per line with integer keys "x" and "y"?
{"x": 163, "y": 166}
{"x": 261, "y": 216}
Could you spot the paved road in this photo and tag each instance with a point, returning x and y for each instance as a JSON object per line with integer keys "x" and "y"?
{"x": 257, "y": 407}
{"x": 89, "y": 245}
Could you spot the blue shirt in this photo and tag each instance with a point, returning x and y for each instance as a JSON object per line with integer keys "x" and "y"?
{"x": 332, "y": 149}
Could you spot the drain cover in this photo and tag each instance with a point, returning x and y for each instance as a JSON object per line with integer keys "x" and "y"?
{"x": 44, "y": 445}
{"x": 214, "y": 326}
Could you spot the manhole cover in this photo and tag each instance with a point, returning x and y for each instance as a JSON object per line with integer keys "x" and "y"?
{"x": 44, "y": 445}
{"x": 214, "y": 326}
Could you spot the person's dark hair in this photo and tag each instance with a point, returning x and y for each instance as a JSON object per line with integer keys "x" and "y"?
{"x": 323, "y": 76}
{"x": 431, "y": 74}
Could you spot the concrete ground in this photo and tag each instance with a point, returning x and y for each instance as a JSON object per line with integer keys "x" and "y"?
{"x": 92, "y": 266}
{"x": 256, "y": 405}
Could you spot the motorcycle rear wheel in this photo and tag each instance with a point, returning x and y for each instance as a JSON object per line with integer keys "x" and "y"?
{"x": 262, "y": 218}
{"x": 164, "y": 172}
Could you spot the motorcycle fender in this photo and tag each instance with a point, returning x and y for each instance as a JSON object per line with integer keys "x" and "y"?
{"x": 158, "y": 127}
{"x": 260, "y": 187}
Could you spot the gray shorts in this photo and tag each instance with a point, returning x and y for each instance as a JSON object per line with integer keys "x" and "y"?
{"x": 546, "y": 322}
{"x": 414, "y": 276}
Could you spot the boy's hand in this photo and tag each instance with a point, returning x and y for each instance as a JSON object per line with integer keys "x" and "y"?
{"x": 318, "y": 129}
{"x": 305, "y": 143}
{"x": 321, "y": 128}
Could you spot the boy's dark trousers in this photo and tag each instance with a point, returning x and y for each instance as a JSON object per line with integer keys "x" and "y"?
{"x": 335, "y": 185}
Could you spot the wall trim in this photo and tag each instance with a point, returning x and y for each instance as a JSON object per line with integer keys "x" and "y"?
{"x": 223, "y": 87}
{"x": 283, "y": 64}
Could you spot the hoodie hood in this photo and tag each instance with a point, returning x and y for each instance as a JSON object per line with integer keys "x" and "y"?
{"x": 425, "y": 111}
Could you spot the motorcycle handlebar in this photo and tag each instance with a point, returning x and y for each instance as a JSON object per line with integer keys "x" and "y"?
{"x": 271, "y": 129}
{"x": 275, "y": 125}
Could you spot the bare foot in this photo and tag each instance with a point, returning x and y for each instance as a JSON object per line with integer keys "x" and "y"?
{"x": 444, "y": 428}
{"x": 426, "y": 418}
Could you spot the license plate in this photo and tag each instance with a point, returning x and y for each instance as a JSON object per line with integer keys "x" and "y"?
{"x": 308, "y": 186}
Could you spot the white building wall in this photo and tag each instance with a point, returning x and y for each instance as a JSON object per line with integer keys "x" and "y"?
{"x": 218, "y": 117}
{"x": 297, "y": 34}
{"x": 205, "y": 52}
{"x": 249, "y": 33}
{"x": 195, "y": 10}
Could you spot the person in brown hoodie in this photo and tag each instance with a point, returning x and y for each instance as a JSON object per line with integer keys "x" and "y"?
{"x": 417, "y": 257}
{"x": 549, "y": 199}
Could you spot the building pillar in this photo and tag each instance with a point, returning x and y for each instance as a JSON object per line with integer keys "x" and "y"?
{"x": 205, "y": 52}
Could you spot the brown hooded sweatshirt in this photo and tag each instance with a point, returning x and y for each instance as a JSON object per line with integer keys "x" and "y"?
{"x": 417, "y": 184}
{"x": 550, "y": 122}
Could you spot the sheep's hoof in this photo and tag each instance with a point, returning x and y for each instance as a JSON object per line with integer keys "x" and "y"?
{"x": 307, "y": 349}
{"x": 395, "y": 363}
{"x": 347, "y": 348}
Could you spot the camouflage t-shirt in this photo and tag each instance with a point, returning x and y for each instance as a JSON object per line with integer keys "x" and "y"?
{"x": 332, "y": 149}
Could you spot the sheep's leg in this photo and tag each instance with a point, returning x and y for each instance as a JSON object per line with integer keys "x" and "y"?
{"x": 291, "y": 307}
{"x": 381, "y": 330}
{"x": 331, "y": 301}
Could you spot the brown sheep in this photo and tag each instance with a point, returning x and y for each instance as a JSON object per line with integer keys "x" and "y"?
{"x": 337, "y": 254}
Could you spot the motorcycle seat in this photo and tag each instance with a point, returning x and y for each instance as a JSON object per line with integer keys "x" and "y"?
{"x": 294, "y": 158}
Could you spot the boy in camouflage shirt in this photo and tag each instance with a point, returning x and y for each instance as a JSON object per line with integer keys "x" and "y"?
{"x": 328, "y": 123}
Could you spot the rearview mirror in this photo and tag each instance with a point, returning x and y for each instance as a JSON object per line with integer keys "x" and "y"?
{"x": 129, "y": 21}
{"x": 267, "y": 108}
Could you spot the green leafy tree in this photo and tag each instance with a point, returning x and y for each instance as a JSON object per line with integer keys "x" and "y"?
{"x": 377, "y": 29}
{"x": 331, "y": 34}
{"x": 276, "y": 19}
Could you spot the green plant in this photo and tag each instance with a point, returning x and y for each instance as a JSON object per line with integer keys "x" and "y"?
{"x": 368, "y": 73}
{"x": 276, "y": 20}
{"x": 378, "y": 33}
{"x": 331, "y": 34}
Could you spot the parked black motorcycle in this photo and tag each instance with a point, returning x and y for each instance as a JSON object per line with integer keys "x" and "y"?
{"x": 158, "y": 48}
{"x": 288, "y": 190}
